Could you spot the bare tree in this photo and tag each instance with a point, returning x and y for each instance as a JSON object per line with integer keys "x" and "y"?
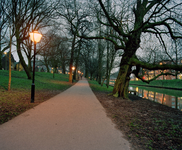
{"x": 55, "y": 51}
{"x": 4, "y": 21}
{"x": 133, "y": 19}
{"x": 74, "y": 15}
{"x": 28, "y": 15}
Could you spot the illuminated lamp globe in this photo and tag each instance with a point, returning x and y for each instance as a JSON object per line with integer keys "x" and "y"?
{"x": 35, "y": 36}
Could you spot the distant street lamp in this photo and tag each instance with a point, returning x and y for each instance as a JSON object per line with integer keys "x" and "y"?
{"x": 73, "y": 68}
{"x": 5, "y": 67}
{"x": 35, "y": 36}
{"x": 78, "y": 74}
{"x": 81, "y": 75}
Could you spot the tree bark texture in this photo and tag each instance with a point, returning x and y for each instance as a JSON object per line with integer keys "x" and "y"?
{"x": 25, "y": 67}
{"x": 0, "y": 60}
{"x": 122, "y": 81}
{"x": 9, "y": 83}
{"x": 71, "y": 59}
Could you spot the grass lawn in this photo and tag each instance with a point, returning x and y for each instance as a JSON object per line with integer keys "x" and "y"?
{"x": 16, "y": 101}
{"x": 177, "y": 83}
{"x": 96, "y": 87}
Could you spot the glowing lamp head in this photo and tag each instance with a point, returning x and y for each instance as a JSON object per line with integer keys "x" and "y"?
{"x": 35, "y": 36}
{"x": 73, "y": 68}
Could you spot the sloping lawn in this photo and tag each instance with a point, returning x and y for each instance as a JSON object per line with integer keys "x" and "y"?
{"x": 16, "y": 101}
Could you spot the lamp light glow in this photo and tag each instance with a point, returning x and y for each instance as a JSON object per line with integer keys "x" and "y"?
{"x": 35, "y": 36}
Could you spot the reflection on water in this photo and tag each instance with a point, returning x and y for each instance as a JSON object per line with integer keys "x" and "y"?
{"x": 111, "y": 83}
{"x": 169, "y": 100}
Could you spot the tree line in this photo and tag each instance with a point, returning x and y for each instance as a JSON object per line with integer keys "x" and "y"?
{"x": 92, "y": 35}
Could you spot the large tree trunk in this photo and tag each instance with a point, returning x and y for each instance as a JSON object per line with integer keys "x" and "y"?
{"x": 47, "y": 64}
{"x": 100, "y": 53}
{"x": 63, "y": 67}
{"x": 0, "y": 60}
{"x": 70, "y": 70}
{"x": 77, "y": 59}
{"x": 71, "y": 59}
{"x": 25, "y": 67}
{"x": 121, "y": 85}
{"x": 108, "y": 79}
{"x": 47, "y": 67}
{"x": 91, "y": 75}
{"x": 29, "y": 64}
{"x": 9, "y": 83}
{"x": 109, "y": 66}
{"x": 86, "y": 70}
{"x": 103, "y": 81}
{"x": 122, "y": 81}
{"x": 0, "y": 45}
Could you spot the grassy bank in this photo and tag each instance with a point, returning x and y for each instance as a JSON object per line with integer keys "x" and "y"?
{"x": 146, "y": 124}
{"x": 177, "y": 83}
{"x": 176, "y": 93}
{"x": 96, "y": 87}
{"x": 16, "y": 101}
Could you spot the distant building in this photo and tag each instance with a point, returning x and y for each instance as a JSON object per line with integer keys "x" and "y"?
{"x": 5, "y": 61}
{"x": 40, "y": 69}
{"x": 39, "y": 66}
{"x": 18, "y": 66}
{"x": 149, "y": 74}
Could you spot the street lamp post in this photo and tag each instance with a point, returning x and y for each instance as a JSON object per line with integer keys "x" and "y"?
{"x": 35, "y": 36}
{"x": 73, "y": 68}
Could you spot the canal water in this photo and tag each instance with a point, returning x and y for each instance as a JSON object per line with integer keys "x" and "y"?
{"x": 171, "y": 98}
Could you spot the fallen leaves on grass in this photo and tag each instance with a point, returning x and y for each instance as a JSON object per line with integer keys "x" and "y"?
{"x": 15, "y": 102}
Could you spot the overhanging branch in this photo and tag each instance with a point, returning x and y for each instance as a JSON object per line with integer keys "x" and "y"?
{"x": 135, "y": 62}
{"x": 105, "y": 38}
{"x": 148, "y": 81}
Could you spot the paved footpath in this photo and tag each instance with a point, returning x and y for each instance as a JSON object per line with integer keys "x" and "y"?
{"x": 72, "y": 120}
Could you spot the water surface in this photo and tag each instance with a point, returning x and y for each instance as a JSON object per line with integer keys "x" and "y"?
{"x": 171, "y": 98}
